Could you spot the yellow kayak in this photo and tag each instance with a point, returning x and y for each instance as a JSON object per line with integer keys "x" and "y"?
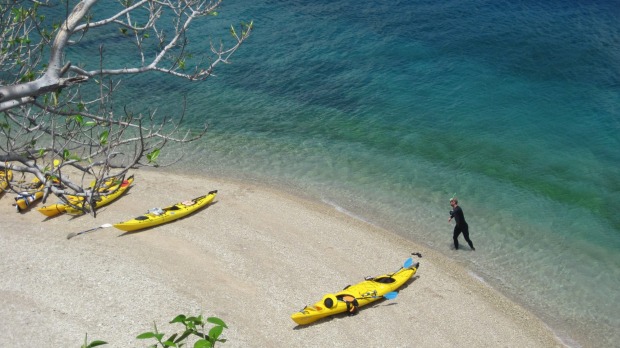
{"x": 23, "y": 200}
{"x": 158, "y": 216}
{"x": 352, "y": 297}
{"x": 5, "y": 177}
{"x": 104, "y": 199}
{"x": 59, "y": 208}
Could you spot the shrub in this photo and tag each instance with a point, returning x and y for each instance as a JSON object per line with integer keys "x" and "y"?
{"x": 194, "y": 327}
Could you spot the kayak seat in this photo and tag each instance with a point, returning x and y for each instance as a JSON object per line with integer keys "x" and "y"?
{"x": 174, "y": 207}
{"x": 142, "y": 217}
{"x": 384, "y": 280}
{"x": 351, "y": 302}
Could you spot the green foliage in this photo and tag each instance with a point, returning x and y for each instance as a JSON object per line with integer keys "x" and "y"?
{"x": 78, "y": 119}
{"x": 28, "y": 76}
{"x": 92, "y": 344}
{"x": 194, "y": 326}
{"x": 68, "y": 156}
{"x": 152, "y": 156}
{"x": 103, "y": 137}
{"x": 247, "y": 26}
{"x": 21, "y": 14}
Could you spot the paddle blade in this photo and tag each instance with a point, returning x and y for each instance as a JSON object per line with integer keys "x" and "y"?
{"x": 408, "y": 263}
{"x": 391, "y": 295}
{"x": 71, "y": 235}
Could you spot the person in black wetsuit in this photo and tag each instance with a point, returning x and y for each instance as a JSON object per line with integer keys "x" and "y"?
{"x": 461, "y": 226}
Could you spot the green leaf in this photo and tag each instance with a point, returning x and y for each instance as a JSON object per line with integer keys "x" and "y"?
{"x": 66, "y": 155}
{"x": 190, "y": 324}
{"x": 196, "y": 320}
{"x": 29, "y": 76}
{"x": 169, "y": 344}
{"x": 96, "y": 343}
{"x": 179, "y": 318}
{"x": 215, "y": 332}
{"x": 145, "y": 335}
{"x": 217, "y": 321}
{"x": 202, "y": 344}
{"x": 152, "y": 157}
{"x": 103, "y": 137}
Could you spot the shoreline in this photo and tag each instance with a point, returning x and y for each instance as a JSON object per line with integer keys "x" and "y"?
{"x": 252, "y": 258}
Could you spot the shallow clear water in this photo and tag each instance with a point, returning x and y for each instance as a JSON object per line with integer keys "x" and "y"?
{"x": 387, "y": 110}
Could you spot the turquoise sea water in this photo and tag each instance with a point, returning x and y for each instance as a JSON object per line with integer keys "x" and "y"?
{"x": 386, "y": 110}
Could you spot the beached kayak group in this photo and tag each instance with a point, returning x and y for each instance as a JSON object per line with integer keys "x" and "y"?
{"x": 346, "y": 301}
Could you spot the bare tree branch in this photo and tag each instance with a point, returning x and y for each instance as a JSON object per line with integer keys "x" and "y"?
{"x": 50, "y": 123}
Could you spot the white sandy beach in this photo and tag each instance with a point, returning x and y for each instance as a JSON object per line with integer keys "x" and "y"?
{"x": 252, "y": 258}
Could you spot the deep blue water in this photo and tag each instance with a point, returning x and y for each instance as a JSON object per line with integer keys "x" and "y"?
{"x": 385, "y": 110}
